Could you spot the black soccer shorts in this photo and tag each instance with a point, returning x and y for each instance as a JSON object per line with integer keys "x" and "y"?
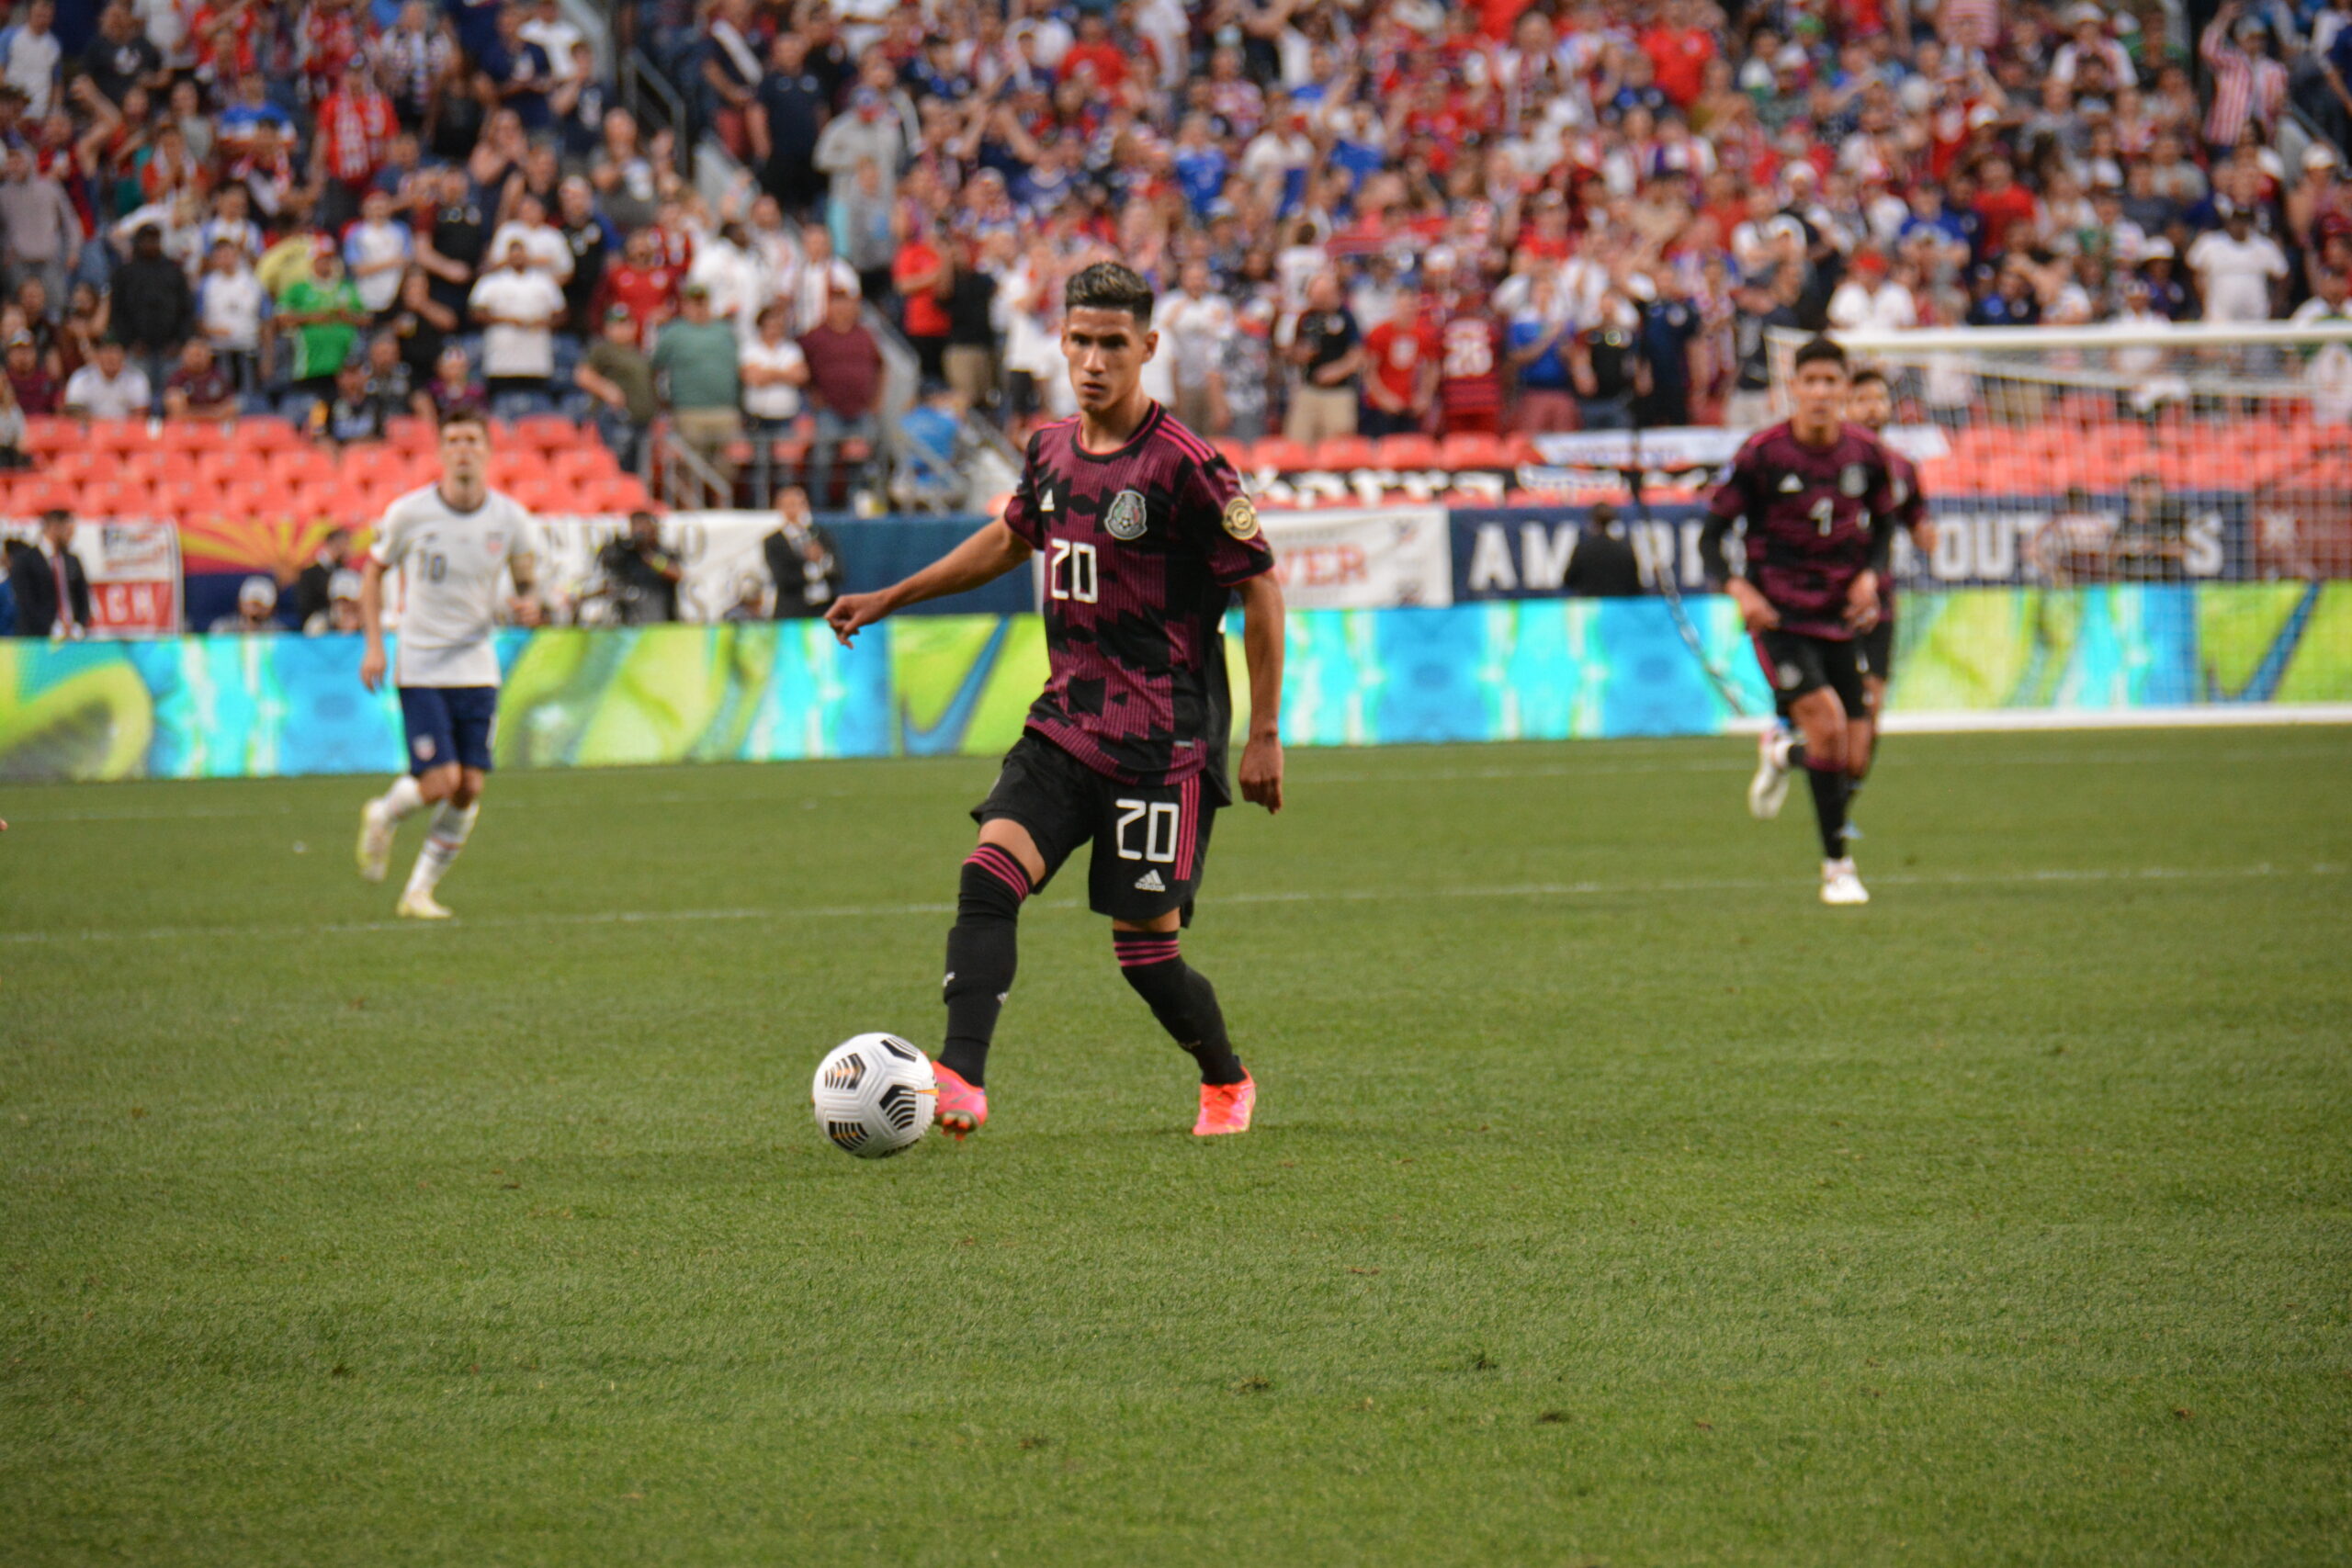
{"x": 1151, "y": 842}
{"x": 1797, "y": 665}
{"x": 1878, "y": 648}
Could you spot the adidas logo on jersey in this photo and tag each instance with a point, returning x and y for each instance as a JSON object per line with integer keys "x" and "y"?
{"x": 1790, "y": 484}
{"x": 1149, "y": 883}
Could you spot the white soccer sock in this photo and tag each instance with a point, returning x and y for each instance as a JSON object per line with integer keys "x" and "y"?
{"x": 443, "y": 840}
{"x": 401, "y": 800}
{"x": 1780, "y": 744}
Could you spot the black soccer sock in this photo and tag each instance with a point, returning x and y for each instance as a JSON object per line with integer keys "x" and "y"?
{"x": 1829, "y": 793}
{"x": 1181, "y": 998}
{"x": 983, "y": 947}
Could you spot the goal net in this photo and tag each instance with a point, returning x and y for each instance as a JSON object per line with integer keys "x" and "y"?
{"x": 2194, "y": 481}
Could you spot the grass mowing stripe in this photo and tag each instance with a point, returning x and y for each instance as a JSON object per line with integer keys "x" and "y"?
{"x": 1318, "y": 895}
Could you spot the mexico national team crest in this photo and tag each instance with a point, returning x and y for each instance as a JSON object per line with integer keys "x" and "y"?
{"x": 1126, "y": 519}
{"x": 1853, "y": 482}
{"x": 1241, "y": 517}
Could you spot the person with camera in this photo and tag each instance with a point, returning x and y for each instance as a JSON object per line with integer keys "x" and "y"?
{"x": 641, "y": 577}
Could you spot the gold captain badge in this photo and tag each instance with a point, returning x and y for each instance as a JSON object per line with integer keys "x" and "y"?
{"x": 1241, "y": 517}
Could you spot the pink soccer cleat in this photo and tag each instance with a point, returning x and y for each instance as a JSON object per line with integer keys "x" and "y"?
{"x": 961, "y": 1106}
{"x": 1226, "y": 1107}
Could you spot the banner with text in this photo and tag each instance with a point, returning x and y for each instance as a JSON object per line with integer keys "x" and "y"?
{"x": 134, "y": 572}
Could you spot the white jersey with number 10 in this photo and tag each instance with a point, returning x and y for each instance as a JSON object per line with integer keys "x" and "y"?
{"x": 451, "y": 563}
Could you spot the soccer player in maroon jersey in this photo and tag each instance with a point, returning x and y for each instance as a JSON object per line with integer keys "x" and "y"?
{"x": 1870, "y": 404}
{"x": 1148, "y": 537}
{"x": 1819, "y": 506}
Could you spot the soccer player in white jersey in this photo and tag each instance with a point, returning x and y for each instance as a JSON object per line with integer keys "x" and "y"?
{"x": 453, "y": 542}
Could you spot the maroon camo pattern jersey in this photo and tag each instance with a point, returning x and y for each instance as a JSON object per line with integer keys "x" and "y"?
{"x": 1810, "y": 512}
{"x": 1141, "y": 548}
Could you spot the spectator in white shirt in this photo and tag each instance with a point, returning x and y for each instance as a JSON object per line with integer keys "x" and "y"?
{"x": 1871, "y": 299}
{"x": 517, "y": 305}
{"x": 377, "y": 251}
{"x": 1193, "y": 323}
{"x": 230, "y": 307}
{"x": 544, "y": 247}
{"x": 109, "y": 387}
{"x": 2239, "y": 272}
{"x": 773, "y": 371}
{"x": 29, "y": 56}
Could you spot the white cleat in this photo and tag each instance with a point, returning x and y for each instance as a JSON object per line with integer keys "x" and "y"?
{"x": 375, "y": 843}
{"x": 420, "y": 906}
{"x": 1841, "y": 885}
{"x": 1771, "y": 784}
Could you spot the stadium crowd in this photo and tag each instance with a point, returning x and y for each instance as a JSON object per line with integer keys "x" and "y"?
{"x": 1366, "y": 215}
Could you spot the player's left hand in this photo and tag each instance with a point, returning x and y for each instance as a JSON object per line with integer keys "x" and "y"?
{"x": 527, "y": 612}
{"x": 1262, "y": 773}
{"x": 1861, "y": 603}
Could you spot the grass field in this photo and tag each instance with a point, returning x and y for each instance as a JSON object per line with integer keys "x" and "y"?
{"x": 1612, "y": 1201}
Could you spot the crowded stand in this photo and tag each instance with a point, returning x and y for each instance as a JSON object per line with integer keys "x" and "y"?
{"x": 254, "y": 249}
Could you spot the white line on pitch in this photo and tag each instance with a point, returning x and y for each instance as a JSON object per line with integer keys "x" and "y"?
{"x": 1323, "y": 895}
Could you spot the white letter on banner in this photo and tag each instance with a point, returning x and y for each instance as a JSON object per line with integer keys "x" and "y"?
{"x": 1545, "y": 552}
{"x": 1491, "y": 564}
{"x": 2204, "y": 557}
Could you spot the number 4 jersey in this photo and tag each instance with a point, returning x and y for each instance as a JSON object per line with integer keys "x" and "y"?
{"x": 1817, "y": 517}
{"x": 1140, "y": 550}
{"x": 450, "y": 564}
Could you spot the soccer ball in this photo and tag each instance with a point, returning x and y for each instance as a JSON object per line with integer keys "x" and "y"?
{"x": 874, "y": 1095}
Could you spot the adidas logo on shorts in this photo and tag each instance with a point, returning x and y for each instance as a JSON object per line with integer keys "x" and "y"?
{"x": 1149, "y": 883}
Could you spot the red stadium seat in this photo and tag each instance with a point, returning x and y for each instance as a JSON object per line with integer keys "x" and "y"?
{"x": 115, "y": 497}
{"x": 626, "y": 493}
{"x": 77, "y": 464}
{"x": 1285, "y": 455}
{"x": 192, "y": 435}
{"x": 48, "y": 435}
{"x": 589, "y": 462}
{"x": 409, "y": 433}
{"x": 1409, "y": 452}
{"x": 1475, "y": 451}
{"x": 373, "y": 460}
{"x": 265, "y": 433}
{"x": 302, "y": 465}
{"x": 121, "y": 435}
{"x": 548, "y": 432}
{"x": 1345, "y": 452}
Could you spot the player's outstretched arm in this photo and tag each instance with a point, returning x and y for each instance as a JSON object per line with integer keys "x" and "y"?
{"x": 1261, "y": 645}
{"x": 371, "y": 622}
{"x": 982, "y": 558}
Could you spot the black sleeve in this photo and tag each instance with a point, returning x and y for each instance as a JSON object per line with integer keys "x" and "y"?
{"x": 1881, "y": 545}
{"x": 1713, "y": 561}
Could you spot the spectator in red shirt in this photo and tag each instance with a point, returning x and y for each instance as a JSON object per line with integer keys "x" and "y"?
{"x": 1678, "y": 50}
{"x": 643, "y": 284}
{"x": 356, "y": 123}
{"x": 923, "y": 279}
{"x": 1401, "y": 354}
{"x": 1094, "y": 48}
{"x": 2002, "y": 204}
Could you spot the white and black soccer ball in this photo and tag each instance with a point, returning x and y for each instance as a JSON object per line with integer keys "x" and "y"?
{"x": 875, "y": 1095}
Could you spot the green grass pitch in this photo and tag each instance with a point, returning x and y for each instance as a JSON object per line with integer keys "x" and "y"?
{"x": 1612, "y": 1201}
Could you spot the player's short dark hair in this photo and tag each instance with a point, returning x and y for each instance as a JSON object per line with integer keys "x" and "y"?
{"x": 1819, "y": 351}
{"x": 474, "y": 417}
{"x": 1871, "y": 376}
{"x": 55, "y": 515}
{"x": 1109, "y": 286}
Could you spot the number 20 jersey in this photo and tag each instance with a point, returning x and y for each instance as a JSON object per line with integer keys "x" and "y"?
{"x": 450, "y": 564}
{"x": 1810, "y": 512}
{"x": 1140, "y": 550}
